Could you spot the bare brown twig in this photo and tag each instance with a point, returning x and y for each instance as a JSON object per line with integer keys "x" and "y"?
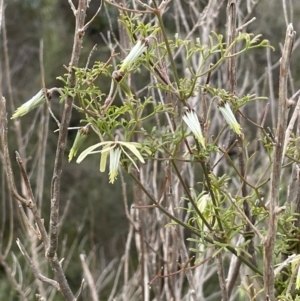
{"x": 276, "y": 169}
{"x": 80, "y": 14}
{"x": 221, "y": 276}
{"x": 89, "y": 278}
{"x": 183, "y": 267}
{"x": 16, "y": 286}
{"x": 61, "y": 145}
{"x": 7, "y": 162}
{"x": 31, "y": 203}
{"x": 232, "y": 32}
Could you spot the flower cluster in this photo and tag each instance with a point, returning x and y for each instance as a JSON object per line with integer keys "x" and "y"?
{"x": 190, "y": 117}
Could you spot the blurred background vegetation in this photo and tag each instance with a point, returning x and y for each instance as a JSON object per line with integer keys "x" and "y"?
{"x": 94, "y": 203}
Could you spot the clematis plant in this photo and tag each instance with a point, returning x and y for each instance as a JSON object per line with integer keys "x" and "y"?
{"x": 190, "y": 117}
{"x": 113, "y": 149}
{"x": 227, "y": 113}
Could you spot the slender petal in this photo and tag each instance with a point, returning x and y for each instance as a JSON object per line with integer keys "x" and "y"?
{"x": 114, "y": 160}
{"x": 227, "y": 113}
{"x": 138, "y": 49}
{"x": 190, "y": 117}
{"x": 133, "y": 148}
{"x": 104, "y": 155}
{"x": 113, "y": 149}
{"x": 129, "y": 157}
{"x": 90, "y": 150}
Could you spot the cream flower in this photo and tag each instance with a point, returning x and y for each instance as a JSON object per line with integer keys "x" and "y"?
{"x": 227, "y": 113}
{"x": 81, "y": 135}
{"x": 190, "y": 117}
{"x": 31, "y": 104}
{"x": 114, "y": 149}
{"x": 204, "y": 205}
{"x": 137, "y": 50}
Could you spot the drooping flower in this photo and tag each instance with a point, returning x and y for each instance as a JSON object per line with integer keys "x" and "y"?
{"x": 227, "y": 113}
{"x": 190, "y": 117}
{"x": 32, "y": 103}
{"x": 204, "y": 205}
{"x": 137, "y": 50}
{"x": 113, "y": 149}
{"x": 81, "y": 135}
{"x": 115, "y": 154}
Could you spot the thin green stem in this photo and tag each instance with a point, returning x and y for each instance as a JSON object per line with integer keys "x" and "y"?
{"x": 237, "y": 171}
{"x": 294, "y": 160}
{"x": 263, "y": 183}
{"x": 190, "y": 197}
{"x": 198, "y": 234}
{"x": 174, "y": 70}
{"x": 206, "y": 175}
{"x": 214, "y": 66}
{"x": 166, "y": 212}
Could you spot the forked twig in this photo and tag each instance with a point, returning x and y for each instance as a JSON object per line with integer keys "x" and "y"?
{"x": 89, "y": 278}
{"x": 233, "y": 201}
{"x": 7, "y": 162}
{"x": 183, "y": 267}
{"x": 93, "y": 18}
{"x": 80, "y": 290}
{"x": 31, "y": 202}
{"x": 34, "y": 269}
